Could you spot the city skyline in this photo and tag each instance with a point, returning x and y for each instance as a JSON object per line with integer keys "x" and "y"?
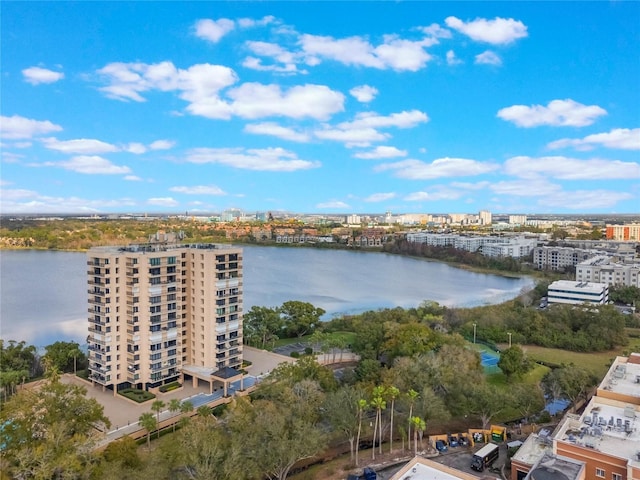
{"x": 357, "y": 107}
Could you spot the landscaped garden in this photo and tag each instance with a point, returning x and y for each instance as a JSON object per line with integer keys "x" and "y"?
{"x": 137, "y": 395}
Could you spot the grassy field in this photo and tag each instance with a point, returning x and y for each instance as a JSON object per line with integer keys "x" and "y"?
{"x": 347, "y": 336}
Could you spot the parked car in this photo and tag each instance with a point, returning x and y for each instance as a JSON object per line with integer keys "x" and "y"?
{"x": 453, "y": 441}
{"x": 463, "y": 441}
{"x": 441, "y": 446}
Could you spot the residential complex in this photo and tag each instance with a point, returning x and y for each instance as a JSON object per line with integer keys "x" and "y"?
{"x": 159, "y": 309}
{"x": 603, "y": 442}
{"x": 559, "y": 258}
{"x": 606, "y": 269}
{"x": 576, "y": 293}
{"x": 628, "y": 232}
{"x": 490, "y": 246}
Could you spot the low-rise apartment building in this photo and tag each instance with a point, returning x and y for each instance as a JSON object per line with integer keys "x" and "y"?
{"x": 559, "y": 258}
{"x": 625, "y": 233}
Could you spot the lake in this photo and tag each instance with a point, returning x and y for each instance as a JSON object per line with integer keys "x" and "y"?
{"x": 43, "y": 294}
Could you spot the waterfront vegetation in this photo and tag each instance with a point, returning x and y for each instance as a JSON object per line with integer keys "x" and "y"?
{"x": 418, "y": 373}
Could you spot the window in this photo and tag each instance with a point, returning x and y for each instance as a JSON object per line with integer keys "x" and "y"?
{"x": 155, "y": 309}
{"x": 171, "y": 260}
{"x": 155, "y": 261}
{"x": 616, "y": 476}
{"x": 600, "y": 472}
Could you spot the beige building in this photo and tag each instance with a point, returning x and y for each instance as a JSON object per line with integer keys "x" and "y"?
{"x": 605, "y": 269}
{"x": 156, "y": 309}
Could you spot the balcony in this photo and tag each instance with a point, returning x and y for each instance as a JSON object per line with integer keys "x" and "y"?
{"x": 96, "y": 292}
{"x": 94, "y": 282}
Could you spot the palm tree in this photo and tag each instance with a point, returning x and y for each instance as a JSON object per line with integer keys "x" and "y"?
{"x": 380, "y": 391}
{"x": 420, "y": 425}
{"x": 413, "y": 396}
{"x": 157, "y": 407}
{"x": 204, "y": 411}
{"x": 392, "y": 393}
{"x": 148, "y": 422}
{"x": 379, "y": 404}
{"x": 174, "y": 406}
{"x": 362, "y": 406}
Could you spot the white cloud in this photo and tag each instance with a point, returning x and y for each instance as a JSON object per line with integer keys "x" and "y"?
{"x": 135, "y": 147}
{"x": 162, "y": 202}
{"x": 17, "y": 127}
{"x": 381, "y": 152}
{"x": 267, "y": 159}
{"x": 619, "y": 138}
{"x": 250, "y": 22}
{"x": 38, "y": 75}
{"x": 213, "y": 30}
{"x": 470, "y": 186}
{"x": 83, "y": 146}
{"x": 435, "y": 194}
{"x": 27, "y": 201}
{"x": 380, "y": 197}
{"x": 199, "y": 190}
{"x": 436, "y": 31}
{"x": 571, "y": 168}
{"x": 563, "y": 113}
{"x": 286, "y": 59}
{"x": 441, "y": 167}
{"x": 352, "y": 137}
{"x": 91, "y": 165}
{"x": 333, "y": 204}
{"x": 488, "y": 58}
{"x": 162, "y": 145}
{"x": 273, "y": 129}
{"x": 538, "y": 187}
{"x": 364, "y": 93}
{"x": 255, "y": 100}
{"x": 404, "y": 119}
{"x": 132, "y": 178}
{"x": 254, "y": 63}
{"x": 498, "y": 31}
{"x": 452, "y": 59}
{"x": 201, "y": 85}
{"x": 394, "y": 53}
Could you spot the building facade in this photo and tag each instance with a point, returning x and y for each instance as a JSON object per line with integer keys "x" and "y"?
{"x": 559, "y": 258}
{"x": 605, "y": 269}
{"x": 576, "y": 293}
{"x": 159, "y": 307}
{"x": 625, "y": 233}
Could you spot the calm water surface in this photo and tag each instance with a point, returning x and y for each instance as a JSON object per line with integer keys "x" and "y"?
{"x": 43, "y": 295}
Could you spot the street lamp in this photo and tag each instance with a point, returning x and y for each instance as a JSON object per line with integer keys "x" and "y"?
{"x": 509, "y": 339}
{"x": 474, "y": 332}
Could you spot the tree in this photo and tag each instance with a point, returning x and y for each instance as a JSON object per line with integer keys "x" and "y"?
{"x": 300, "y": 318}
{"x": 419, "y": 426}
{"x": 157, "y": 407}
{"x": 124, "y": 452}
{"x": 174, "y": 406}
{"x": 46, "y": 433}
{"x": 342, "y": 412}
{"x": 65, "y": 356}
{"x": 362, "y": 407}
{"x": 149, "y": 423}
{"x": 569, "y": 382}
{"x": 529, "y": 399}
{"x": 406, "y": 340}
{"x": 486, "y": 401}
{"x": 379, "y": 404}
{"x": 204, "y": 451}
{"x": 204, "y": 411}
{"x": 392, "y": 393}
{"x": 412, "y": 396}
{"x": 514, "y": 363}
{"x": 262, "y": 324}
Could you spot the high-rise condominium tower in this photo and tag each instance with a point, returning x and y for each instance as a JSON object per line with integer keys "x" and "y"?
{"x": 159, "y": 308}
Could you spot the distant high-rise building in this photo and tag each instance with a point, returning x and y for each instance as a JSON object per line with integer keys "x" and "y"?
{"x": 162, "y": 309}
{"x": 353, "y": 219}
{"x": 485, "y": 217}
{"x": 517, "y": 219}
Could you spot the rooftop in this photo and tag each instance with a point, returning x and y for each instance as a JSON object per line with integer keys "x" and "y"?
{"x": 555, "y": 467}
{"x": 570, "y": 284}
{"x": 622, "y": 379}
{"x": 534, "y": 447}
{"x": 607, "y": 426}
{"x": 423, "y": 469}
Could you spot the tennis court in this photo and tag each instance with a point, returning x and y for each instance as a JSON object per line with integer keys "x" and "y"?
{"x": 489, "y": 360}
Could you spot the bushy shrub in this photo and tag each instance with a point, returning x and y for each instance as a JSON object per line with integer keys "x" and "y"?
{"x": 136, "y": 395}
{"x": 308, "y": 351}
{"x": 295, "y": 354}
{"x": 170, "y": 386}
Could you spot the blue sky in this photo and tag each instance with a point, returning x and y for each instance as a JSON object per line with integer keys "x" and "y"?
{"x": 320, "y": 107}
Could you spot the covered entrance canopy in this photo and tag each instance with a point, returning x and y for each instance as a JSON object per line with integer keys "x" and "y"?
{"x": 225, "y": 376}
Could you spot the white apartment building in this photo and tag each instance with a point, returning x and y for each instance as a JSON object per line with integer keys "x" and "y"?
{"x": 605, "y": 269}
{"x": 517, "y": 247}
{"x": 517, "y": 219}
{"x": 156, "y": 309}
{"x": 558, "y": 258}
{"x": 576, "y": 293}
{"x": 354, "y": 219}
{"x": 485, "y": 217}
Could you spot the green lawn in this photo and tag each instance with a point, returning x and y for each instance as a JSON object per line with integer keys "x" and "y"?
{"x": 349, "y": 337}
